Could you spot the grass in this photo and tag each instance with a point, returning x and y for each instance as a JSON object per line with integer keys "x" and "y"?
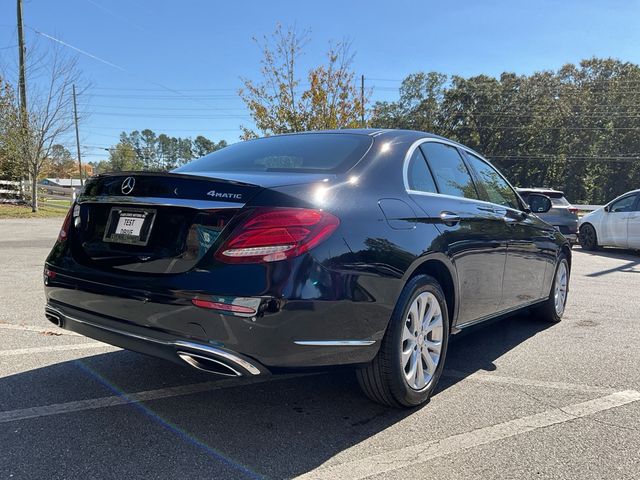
{"x": 52, "y": 208}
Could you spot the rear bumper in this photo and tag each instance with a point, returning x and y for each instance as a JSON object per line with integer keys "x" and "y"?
{"x": 572, "y": 237}
{"x": 284, "y": 335}
{"x": 570, "y": 232}
{"x": 199, "y": 355}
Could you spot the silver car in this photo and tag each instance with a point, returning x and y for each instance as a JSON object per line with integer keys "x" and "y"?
{"x": 563, "y": 216}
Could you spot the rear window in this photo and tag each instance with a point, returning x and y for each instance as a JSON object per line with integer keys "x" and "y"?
{"x": 319, "y": 152}
{"x": 557, "y": 198}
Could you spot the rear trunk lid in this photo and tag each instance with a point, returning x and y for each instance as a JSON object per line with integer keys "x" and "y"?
{"x": 160, "y": 223}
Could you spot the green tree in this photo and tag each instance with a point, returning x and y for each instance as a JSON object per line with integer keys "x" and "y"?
{"x": 12, "y": 166}
{"x": 421, "y": 96}
{"x": 148, "y": 151}
{"x": 203, "y": 146}
{"x": 575, "y": 129}
{"x": 123, "y": 157}
{"x": 61, "y": 163}
{"x": 278, "y": 103}
{"x": 159, "y": 152}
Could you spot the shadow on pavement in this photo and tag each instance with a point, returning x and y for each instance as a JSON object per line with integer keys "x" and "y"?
{"x": 277, "y": 429}
{"x": 630, "y": 256}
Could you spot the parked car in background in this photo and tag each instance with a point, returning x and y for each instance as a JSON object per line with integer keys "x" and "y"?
{"x": 563, "y": 216}
{"x": 617, "y": 224}
{"x": 352, "y": 247}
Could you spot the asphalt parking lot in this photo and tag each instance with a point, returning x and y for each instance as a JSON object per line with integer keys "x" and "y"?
{"x": 519, "y": 399}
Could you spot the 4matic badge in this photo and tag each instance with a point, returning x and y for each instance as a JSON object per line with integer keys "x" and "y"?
{"x": 233, "y": 196}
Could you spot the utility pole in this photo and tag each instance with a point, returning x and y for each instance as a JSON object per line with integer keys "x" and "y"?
{"x": 22, "y": 81}
{"x": 75, "y": 117}
{"x": 362, "y": 101}
{"x": 24, "y": 119}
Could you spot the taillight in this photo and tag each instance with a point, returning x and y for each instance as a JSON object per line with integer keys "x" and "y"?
{"x": 272, "y": 234}
{"x": 573, "y": 210}
{"x": 64, "y": 231}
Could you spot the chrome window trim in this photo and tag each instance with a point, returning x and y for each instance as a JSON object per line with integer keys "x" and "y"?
{"x": 417, "y": 143}
{"x": 163, "y": 202}
{"x": 335, "y": 343}
{"x": 409, "y": 154}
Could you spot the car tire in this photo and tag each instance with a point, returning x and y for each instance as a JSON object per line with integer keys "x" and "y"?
{"x": 553, "y": 308}
{"x": 588, "y": 237}
{"x": 418, "y": 331}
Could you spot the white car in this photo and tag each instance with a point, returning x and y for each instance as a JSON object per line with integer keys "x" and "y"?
{"x": 617, "y": 224}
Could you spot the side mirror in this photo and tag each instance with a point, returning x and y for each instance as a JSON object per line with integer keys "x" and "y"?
{"x": 539, "y": 203}
{"x": 606, "y": 208}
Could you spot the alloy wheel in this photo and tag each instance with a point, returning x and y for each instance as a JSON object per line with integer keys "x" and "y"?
{"x": 560, "y": 291}
{"x": 422, "y": 340}
{"x": 588, "y": 236}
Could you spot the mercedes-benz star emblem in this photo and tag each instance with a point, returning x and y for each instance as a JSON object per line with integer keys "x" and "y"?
{"x": 127, "y": 185}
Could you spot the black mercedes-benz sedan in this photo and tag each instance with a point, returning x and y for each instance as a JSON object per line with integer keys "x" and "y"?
{"x": 362, "y": 248}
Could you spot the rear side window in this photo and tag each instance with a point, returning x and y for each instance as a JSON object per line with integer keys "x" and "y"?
{"x": 450, "y": 172}
{"x": 310, "y": 152}
{"x": 498, "y": 191}
{"x": 419, "y": 176}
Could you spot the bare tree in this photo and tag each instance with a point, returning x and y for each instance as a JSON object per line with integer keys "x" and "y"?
{"x": 51, "y": 76}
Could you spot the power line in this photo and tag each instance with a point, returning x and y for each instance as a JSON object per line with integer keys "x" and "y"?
{"x": 520, "y": 79}
{"x": 83, "y": 52}
{"x": 95, "y": 57}
{"x": 549, "y": 128}
{"x": 567, "y": 159}
{"x": 123, "y": 89}
{"x": 109, "y": 127}
{"x": 629, "y": 156}
{"x": 128, "y": 107}
{"x": 168, "y": 97}
{"x": 119, "y": 17}
{"x": 159, "y": 115}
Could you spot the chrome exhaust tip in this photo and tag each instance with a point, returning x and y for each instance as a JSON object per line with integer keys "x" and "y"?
{"x": 208, "y": 364}
{"x": 53, "y": 318}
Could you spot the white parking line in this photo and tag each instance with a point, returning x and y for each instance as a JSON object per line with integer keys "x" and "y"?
{"x": 54, "y": 348}
{"x": 34, "y": 328}
{"x": 525, "y": 382}
{"x": 416, "y": 454}
{"x": 145, "y": 396}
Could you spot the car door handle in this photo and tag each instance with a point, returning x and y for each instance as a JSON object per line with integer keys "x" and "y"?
{"x": 449, "y": 218}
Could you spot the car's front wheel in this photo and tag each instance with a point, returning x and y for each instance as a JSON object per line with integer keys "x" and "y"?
{"x": 588, "y": 237}
{"x": 411, "y": 358}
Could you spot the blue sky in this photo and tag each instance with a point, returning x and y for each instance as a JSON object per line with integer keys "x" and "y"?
{"x": 202, "y": 48}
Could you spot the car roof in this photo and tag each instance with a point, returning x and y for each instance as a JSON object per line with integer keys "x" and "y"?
{"x": 395, "y": 133}
{"x": 375, "y": 132}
